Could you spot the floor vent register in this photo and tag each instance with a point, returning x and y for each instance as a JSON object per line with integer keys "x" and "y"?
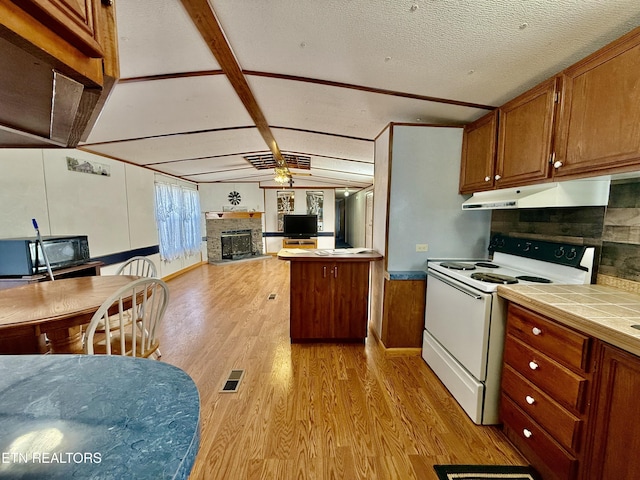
{"x": 233, "y": 381}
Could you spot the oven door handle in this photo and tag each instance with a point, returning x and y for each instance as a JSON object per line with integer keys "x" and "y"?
{"x": 454, "y": 284}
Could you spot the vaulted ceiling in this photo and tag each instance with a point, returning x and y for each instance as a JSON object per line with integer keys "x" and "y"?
{"x": 205, "y": 85}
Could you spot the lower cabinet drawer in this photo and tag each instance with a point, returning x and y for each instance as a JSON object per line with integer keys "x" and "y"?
{"x": 556, "y": 380}
{"x": 562, "y": 425}
{"x": 544, "y": 453}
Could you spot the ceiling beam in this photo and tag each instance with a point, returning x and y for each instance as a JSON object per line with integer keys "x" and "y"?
{"x": 207, "y": 24}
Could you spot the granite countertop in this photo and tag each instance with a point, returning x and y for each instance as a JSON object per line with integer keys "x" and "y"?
{"x": 601, "y": 311}
{"x": 85, "y": 416}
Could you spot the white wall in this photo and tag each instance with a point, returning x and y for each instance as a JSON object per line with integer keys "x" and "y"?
{"x": 274, "y": 244}
{"x": 424, "y": 206}
{"x": 215, "y": 196}
{"x": 116, "y": 212}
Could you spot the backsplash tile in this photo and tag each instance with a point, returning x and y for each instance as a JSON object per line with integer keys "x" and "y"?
{"x": 614, "y": 230}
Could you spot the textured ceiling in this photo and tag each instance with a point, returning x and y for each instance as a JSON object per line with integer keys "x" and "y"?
{"x": 329, "y": 76}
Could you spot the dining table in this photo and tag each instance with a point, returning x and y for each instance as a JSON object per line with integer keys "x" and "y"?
{"x": 48, "y": 316}
{"x": 96, "y": 416}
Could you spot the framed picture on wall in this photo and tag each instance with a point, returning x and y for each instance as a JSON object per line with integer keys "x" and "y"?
{"x": 315, "y": 206}
{"x": 286, "y": 203}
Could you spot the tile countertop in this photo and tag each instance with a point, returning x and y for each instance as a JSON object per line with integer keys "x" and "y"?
{"x": 604, "y": 312}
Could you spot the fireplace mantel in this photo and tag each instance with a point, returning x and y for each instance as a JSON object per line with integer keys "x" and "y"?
{"x": 227, "y": 215}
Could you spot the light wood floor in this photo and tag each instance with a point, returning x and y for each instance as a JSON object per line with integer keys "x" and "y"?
{"x": 307, "y": 411}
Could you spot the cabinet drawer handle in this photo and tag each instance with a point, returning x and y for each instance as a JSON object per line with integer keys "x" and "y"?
{"x": 497, "y": 177}
{"x": 324, "y": 272}
{"x": 533, "y": 365}
{"x": 335, "y": 272}
{"x": 536, "y": 331}
{"x": 527, "y": 433}
{"x": 557, "y": 164}
{"x": 487, "y": 179}
{"x": 530, "y": 400}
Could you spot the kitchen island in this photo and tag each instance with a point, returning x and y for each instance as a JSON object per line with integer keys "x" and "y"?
{"x": 329, "y": 294}
{"x": 101, "y": 417}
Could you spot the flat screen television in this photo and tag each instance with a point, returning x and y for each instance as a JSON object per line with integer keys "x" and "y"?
{"x": 300, "y": 226}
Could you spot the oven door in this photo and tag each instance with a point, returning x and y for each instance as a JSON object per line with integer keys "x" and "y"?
{"x": 458, "y": 317}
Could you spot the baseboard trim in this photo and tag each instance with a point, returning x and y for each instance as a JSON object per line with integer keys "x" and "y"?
{"x": 184, "y": 270}
{"x": 395, "y": 351}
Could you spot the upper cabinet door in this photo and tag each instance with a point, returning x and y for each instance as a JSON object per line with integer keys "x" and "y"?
{"x": 73, "y": 20}
{"x": 525, "y": 137}
{"x": 599, "y": 119}
{"x": 479, "y": 154}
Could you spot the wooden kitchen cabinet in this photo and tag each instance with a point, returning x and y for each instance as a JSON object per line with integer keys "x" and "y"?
{"x": 69, "y": 44}
{"x": 615, "y": 432}
{"x": 525, "y": 137}
{"x": 329, "y": 295}
{"x": 545, "y": 387}
{"x": 329, "y": 300}
{"x": 598, "y": 124}
{"x": 573, "y": 416}
{"x": 582, "y": 122}
{"x": 479, "y": 154}
{"x": 73, "y": 20}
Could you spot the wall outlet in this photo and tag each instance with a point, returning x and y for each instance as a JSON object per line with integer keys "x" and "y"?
{"x": 422, "y": 247}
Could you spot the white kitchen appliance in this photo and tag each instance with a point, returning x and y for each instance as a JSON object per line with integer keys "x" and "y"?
{"x": 465, "y": 319}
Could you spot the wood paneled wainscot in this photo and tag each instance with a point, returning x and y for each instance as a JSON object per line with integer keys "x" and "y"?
{"x": 329, "y": 295}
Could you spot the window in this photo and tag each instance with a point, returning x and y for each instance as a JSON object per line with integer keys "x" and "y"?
{"x": 178, "y": 219}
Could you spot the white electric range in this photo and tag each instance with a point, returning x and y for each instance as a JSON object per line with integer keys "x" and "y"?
{"x": 465, "y": 319}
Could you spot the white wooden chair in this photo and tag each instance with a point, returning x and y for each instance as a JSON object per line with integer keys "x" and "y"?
{"x": 139, "y": 267}
{"x": 148, "y": 297}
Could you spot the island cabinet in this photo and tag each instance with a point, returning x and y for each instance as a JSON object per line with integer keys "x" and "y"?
{"x": 597, "y": 128}
{"x": 545, "y": 392}
{"x": 329, "y": 300}
{"x": 479, "y": 154}
{"x": 329, "y": 295}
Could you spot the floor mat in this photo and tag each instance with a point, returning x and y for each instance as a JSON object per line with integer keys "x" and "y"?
{"x": 485, "y": 472}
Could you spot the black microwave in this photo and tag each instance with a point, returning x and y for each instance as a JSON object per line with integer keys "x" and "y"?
{"x": 23, "y": 256}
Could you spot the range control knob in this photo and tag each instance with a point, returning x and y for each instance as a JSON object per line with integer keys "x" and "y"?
{"x": 559, "y": 252}
{"x": 571, "y": 254}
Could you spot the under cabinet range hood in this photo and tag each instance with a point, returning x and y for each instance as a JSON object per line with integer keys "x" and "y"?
{"x": 574, "y": 193}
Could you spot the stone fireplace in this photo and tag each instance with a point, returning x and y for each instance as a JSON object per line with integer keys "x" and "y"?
{"x": 236, "y": 244}
{"x": 233, "y": 235}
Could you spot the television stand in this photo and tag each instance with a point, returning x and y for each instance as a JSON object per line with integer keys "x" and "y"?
{"x": 300, "y": 243}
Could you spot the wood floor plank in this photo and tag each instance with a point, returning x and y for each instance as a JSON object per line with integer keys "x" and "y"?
{"x": 307, "y": 411}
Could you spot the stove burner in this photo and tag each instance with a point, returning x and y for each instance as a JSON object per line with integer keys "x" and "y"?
{"x": 486, "y": 265}
{"x": 458, "y": 266}
{"x": 529, "y": 278}
{"x": 494, "y": 278}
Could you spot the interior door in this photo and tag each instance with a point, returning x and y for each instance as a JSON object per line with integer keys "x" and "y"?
{"x": 368, "y": 221}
